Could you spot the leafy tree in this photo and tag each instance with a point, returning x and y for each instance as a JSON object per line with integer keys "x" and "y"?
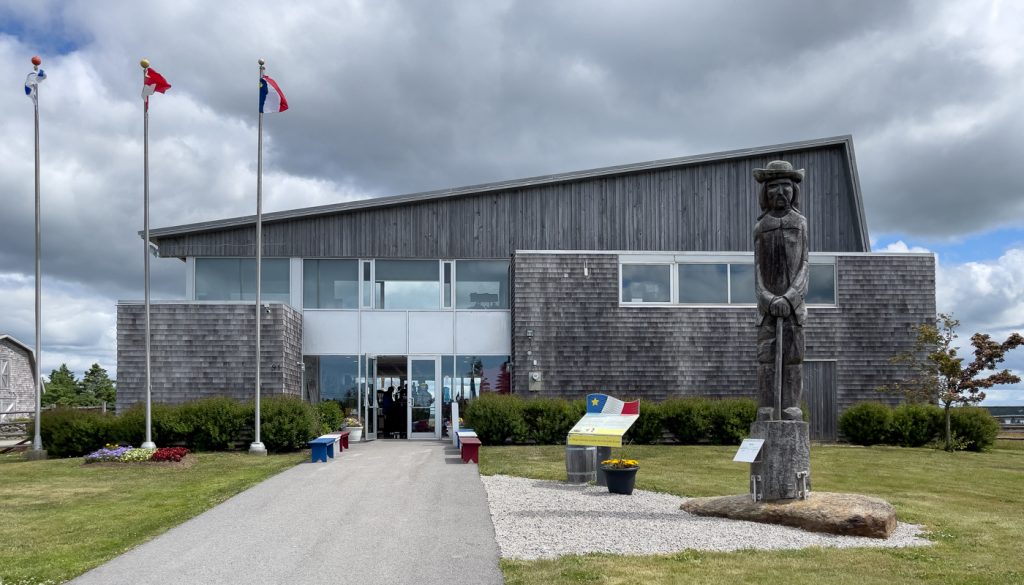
{"x": 97, "y": 387}
{"x": 939, "y": 374}
{"x": 62, "y": 388}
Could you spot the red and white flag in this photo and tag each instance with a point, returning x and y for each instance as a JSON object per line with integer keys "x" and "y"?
{"x": 154, "y": 83}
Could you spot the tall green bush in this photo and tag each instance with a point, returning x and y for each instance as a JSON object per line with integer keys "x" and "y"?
{"x": 67, "y": 432}
{"x": 730, "y": 419}
{"x": 496, "y": 418}
{"x": 688, "y": 419}
{"x": 546, "y": 421}
{"x": 286, "y": 423}
{"x": 330, "y": 416}
{"x": 210, "y": 424}
{"x": 915, "y": 425}
{"x": 649, "y": 428}
{"x": 867, "y": 423}
{"x": 974, "y": 429}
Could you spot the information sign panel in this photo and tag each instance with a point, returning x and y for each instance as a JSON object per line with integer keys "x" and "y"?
{"x": 606, "y": 420}
{"x": 748, "y": 451}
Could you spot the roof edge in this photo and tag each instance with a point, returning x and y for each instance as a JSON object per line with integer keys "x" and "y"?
{"x": 845, "y": 140}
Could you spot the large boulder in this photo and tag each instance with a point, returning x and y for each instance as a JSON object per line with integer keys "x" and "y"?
{"x": 844, "y": 514}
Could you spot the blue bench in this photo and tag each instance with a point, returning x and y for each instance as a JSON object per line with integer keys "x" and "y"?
{"x": 321, "y": 448}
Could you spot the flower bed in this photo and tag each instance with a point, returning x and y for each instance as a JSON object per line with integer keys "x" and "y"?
{"x": 127, "y": 454}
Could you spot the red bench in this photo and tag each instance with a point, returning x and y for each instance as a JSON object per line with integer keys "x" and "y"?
{"x": 470, "y": 449}
{"x": 344, "y": 439}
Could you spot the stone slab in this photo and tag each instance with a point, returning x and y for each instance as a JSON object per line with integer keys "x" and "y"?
{"x": 786, "y": 452}
{"x": 835, "y": 513}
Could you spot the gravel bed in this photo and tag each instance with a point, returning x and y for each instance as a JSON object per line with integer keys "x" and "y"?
{"x": 536, "y": 519}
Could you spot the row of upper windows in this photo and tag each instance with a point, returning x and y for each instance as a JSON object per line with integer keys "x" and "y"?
{"x": 367, "y": 284}
{"x": 706, "y": 283}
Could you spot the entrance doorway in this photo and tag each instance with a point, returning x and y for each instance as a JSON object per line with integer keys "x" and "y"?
{"x": 401, "y": 397}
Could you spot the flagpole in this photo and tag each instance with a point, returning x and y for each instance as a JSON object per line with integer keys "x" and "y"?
{"x": 37, "y": 440}
{"x": 257, "y": 447}
{"x": 148, "y": 444}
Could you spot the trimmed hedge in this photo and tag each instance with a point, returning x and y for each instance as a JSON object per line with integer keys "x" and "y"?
{"x": 499, "y": 419}
{"x": 210, "y": 424}
{"x": 867, "y": 423}
{"x": 915, "y": 425}
{"x": 973, "y": 429}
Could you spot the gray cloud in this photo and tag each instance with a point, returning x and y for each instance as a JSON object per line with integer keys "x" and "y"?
{"x": 395, "y": 97}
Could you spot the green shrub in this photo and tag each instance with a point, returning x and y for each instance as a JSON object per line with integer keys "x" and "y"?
{"x": 915, "y": 425}
{"x": 974, "y": 428}
{"x": 330, "y": 416}
{"x": 209, "y": 424}
{"x": 128, "y": 428}
{"x": 496, "y": 418}
{"x": 687, "y": 419}
{"x": 867, "y": 423}
{"x": 650, "y": 427}
{"x": 286, "y": 423}
{"x": 67, "y": 432}
{"x": 546, "y": 421}
{"x": 730, "y": 420}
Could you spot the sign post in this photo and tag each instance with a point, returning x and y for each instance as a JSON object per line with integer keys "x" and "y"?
{"x": 607, "y": 419}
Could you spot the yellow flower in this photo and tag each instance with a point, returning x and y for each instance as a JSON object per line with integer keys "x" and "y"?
{"x": 621, "y": 463}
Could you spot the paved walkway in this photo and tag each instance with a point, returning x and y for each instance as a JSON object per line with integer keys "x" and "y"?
{"x": 389, "y": 512}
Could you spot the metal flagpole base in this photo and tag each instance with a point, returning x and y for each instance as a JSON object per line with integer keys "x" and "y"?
{"x": 148, "y": 445}
{"x": 257, "y": 449}
{"x": 35, "y": 454}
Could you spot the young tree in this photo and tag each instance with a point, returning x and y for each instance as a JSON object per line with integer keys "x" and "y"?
{"x": 62, "y": 388}
{"x": 940, "y": 376}
{"x": 97, "y": 387}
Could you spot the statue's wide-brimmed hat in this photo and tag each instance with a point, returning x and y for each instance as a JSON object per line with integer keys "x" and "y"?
{"x": 778, "y": 169}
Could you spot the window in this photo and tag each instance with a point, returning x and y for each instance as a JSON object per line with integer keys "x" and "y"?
{"x": 476, "y": 375}
{"x": 367, "y": 300}
{"x": 407, "y": 284}
{"x": 704, "y": 283}
{"x": 481, "y": 284}
{"x": 330, "y": 284}
{"x": 741, "y": 277}
{"x": 821, "y": 288}
{"x": 5, "y": 375}
{"x": 234, "y": 279}
{"x": 446, "y": 300}
{"x": 646, "y": 283}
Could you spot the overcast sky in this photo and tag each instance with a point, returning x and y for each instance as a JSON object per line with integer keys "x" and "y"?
{"x": 396, "y": 97}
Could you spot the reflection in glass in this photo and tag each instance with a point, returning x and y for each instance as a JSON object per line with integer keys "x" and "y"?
{"x": 339, "y": 376}
{"x": 646, "y": 283}
{"x": 407, "y": 284}
{"x": 481, "y": 284}
{"x": 422, "y": 395}
{"x": 476, "y": 375}
{"x": 330, "y": 284}
{"x": 234, "y": 279}
{"x": 447, "y": 380}
{"x": 742, "y": 277}
{"x": 703, "y": 283}
{"x": 821, "y": 289}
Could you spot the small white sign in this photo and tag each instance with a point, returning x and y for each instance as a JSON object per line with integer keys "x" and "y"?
{"x": 747, "y": 453}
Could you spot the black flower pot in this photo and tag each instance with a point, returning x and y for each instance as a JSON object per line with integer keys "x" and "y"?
{"x": 620, "y": 481}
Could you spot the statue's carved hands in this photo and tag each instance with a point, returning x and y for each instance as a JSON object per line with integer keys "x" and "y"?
{"x": 780, "y": 307}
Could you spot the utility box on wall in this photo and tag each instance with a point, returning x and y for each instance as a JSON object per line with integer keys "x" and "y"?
{"x": 536, "y": 382}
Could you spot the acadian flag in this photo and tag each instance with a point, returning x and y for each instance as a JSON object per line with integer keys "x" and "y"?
{"x": 32, "y": 85}
{"x": 153, "y": 83}
{"x": 604, "y": 404}
{"x": 605, "y": 421}
{"x": 271, "y": 97}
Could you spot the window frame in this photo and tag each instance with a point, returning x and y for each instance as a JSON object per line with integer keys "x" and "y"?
{"x": 673, "y": 275}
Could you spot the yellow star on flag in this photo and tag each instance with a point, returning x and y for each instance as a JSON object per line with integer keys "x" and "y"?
{"x": 594, "y": 402}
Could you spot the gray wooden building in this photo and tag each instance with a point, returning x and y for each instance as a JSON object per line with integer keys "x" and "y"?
{"x": 17, "y": 388}
{"x": 635, "y": 280}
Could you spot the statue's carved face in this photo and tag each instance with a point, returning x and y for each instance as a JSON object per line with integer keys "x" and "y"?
{"x": 780, "y": 194}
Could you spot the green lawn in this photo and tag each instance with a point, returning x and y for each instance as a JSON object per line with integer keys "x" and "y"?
{"x": 59, "y": 518}
{"x": 972, "y": 505}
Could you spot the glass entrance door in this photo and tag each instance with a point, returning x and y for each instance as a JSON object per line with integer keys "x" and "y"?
{"x": 423, "y": 398}
{"x": 368, "y": 399}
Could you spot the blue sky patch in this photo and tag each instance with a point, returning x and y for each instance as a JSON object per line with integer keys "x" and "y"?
{"x": 981, "y": 247}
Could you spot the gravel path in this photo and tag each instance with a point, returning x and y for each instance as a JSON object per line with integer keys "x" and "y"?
{"x": 536, "y": 519}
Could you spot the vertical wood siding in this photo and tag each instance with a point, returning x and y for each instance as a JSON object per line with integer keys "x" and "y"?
{"x": 701, "y": 207}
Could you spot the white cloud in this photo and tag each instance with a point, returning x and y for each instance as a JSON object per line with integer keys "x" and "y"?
{"x": 901, "y": 247}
